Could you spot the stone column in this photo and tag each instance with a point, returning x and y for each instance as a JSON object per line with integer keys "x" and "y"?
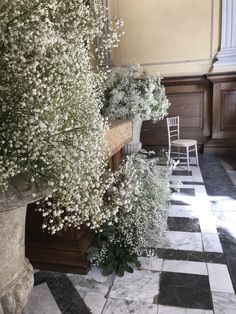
{"x": 227, "y": 54}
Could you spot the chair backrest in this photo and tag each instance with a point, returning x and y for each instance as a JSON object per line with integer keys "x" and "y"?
{"x": 172, "y": 128}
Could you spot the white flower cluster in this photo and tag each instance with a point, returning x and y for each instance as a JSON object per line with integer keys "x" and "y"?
{"x": 132, "y": 94}
{"x": 50, "y": 100}
{"x": 141, "y": 194}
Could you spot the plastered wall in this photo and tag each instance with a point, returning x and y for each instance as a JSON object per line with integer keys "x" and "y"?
{"x": 173, "y": 37}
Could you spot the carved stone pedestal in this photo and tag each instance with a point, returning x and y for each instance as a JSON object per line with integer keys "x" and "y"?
{"x": 16, "y": 273}
{"x": 135, "y": 145}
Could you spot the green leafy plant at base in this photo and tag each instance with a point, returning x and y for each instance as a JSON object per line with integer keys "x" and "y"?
{"x": 118, "y": 258}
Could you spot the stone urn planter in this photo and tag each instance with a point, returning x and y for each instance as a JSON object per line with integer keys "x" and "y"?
{"x": 16, "y": 273}
{"x": 135, "y": 145}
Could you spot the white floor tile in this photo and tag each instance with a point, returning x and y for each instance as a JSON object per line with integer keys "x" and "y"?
{"x": 206, "y": 219}
{"x": 163, "y": 309}
{"x": 120, "y": 306}
{"x": 184, "y": 178}
{"x": 219, "y": 278}
{"x": 197, "y": 175}
{"x": 93, "y": 288}
{"x": 185, "y": 186}
{"x": 189, "y": 200}
{"x": 186, "y": 267}
{"x": 202, "y": 199}
{"x": 199, "y": 201}
{"x": 183, "y": 211}
{"x": 151, "y": 263}
{"x": 200, "y": 189}
{"x": 190, "y": 241}
{"x": 224, "y": 303}
{"x": 207, "y": 223}
{"x": 211, "y": 243}
{"x": 141, "y": 285}
{"x": 96, "y": 274}
{"x": 189, "y": 186}
{"x": 41, "y": 301}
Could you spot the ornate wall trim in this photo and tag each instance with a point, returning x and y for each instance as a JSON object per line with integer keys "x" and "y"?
{"x": 227, "y": 53}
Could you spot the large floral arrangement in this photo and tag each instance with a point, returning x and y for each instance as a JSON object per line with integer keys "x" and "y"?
{"x": 134, "y": 94}
{"x": 50, "y": 100}
{"x": 139, "y": 195}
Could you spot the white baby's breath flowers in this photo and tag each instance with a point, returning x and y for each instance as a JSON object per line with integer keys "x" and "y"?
{"x": 144, "y": 222}
{"x": 50, "y": 100}
{"x": 140, "y": 193}
{"x": 133, "y": 94}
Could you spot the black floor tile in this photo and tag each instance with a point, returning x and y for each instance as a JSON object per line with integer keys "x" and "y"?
{"x": 231, "y": 262}
{"x": 66, "y": 296}
{"x": 182, "y": 173}
{"x": 229, "y": 251}
{"x": 41, "y": 277}
{"x": 175, "y": 202}
{"x": 216, "y": 179}
{"x": 206, "y": 257}
{"x": 183, "y": 224}
{"x": 218, "y": 183}
{"x": 230, "y": 256}
{"x": 192, "y": 183}
{"x": 226, "y": 238}
{"x": 187, "y": 191}
{"x": 183, "y": 161}
{"x": 185, "y": 290}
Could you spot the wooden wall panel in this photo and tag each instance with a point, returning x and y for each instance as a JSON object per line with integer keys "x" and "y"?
{"x": 189, "y": 107}
{"x": 190, "y": 99}
{"x": 207, "y": 109}
{"x": 228, "y": 110}
{"x": 223, "y": 140}
{"x": 224, "y": 110}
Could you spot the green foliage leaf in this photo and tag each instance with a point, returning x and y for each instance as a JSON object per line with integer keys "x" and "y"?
{"x": 118, "y": 251}
{"x": 137, "y": 263}
{"x": 128, "y": 268}
{"x": 120, "y": 272}
{"x": 107, "y": 269}
{"x": 92, "y": 252}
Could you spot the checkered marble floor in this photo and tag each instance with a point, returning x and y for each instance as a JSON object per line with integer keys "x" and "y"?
{"x": 194, "y": 274}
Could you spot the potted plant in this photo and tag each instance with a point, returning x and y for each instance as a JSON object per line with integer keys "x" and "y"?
{"x": 136, "y": 95}
{"x": 51, "y": 129}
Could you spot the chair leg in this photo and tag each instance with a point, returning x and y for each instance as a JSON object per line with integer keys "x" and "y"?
{"x": 197, "y": 162}
{"x": 169, "y": 153}
{"x": 187, "y": 151}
